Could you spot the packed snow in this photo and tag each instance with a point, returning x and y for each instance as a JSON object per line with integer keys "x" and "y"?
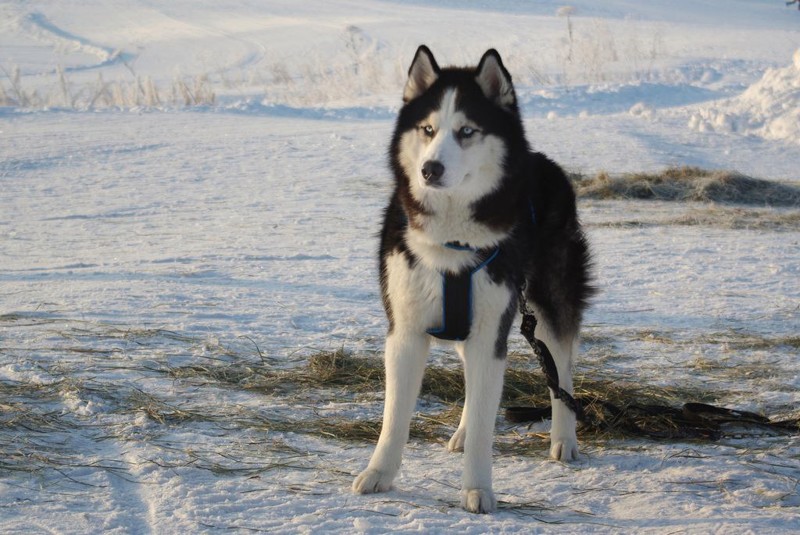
{"x": 194, "y": 187}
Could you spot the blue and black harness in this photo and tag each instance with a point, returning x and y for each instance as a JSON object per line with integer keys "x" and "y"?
{"x": 457, "y": 295}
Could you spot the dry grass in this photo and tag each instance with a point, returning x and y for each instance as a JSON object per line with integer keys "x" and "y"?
{"x": 21, "y": 408}
{"x": 689, "y": 184}
{"x": 717, "y": 216}
{"x": 135, "y": 92}
{"x": 613, "y": 407}
{"x": 738, "y": 341}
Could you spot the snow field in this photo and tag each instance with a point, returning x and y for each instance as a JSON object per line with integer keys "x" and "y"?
{"x": 150, "y": 252}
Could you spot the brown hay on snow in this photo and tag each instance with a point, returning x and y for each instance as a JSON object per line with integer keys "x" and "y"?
{"x": 690, "y": 184}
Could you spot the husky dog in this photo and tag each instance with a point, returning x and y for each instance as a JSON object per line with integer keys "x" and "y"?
{"x": 476, "y": 221}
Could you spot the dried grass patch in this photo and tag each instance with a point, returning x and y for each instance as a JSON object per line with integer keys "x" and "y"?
{"x": 689, "y": 184}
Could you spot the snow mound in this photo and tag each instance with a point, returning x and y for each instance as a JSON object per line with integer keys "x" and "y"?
{"x": 770, "y": 108}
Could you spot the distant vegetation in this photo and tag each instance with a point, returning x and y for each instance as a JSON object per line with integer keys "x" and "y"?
{"x": 689, "y": 184}
{"x": 138, "y": 91}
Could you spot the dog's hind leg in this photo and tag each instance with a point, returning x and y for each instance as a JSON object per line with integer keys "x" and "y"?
{"x": 563, "y": 436}
{"x": 483, "y": 377}
{"x": 456, "y": 442}
{"x": 406, "y": 353}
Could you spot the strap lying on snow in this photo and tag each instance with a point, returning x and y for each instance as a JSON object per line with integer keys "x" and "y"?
{"x": 692, "y": 421}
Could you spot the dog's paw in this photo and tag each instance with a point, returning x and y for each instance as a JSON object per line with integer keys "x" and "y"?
{"x": 457, "y": 440}
{"x": 564, "y": 449}
{"x": 370, "y": 481}
{"x": 479, "y": 501}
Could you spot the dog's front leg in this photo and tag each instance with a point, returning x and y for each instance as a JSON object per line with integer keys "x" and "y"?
{"x": 483, "y": 375}
{"x": 406, "y": 353}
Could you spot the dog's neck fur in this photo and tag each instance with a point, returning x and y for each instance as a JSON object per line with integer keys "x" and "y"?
{"x": 448, "y": 220}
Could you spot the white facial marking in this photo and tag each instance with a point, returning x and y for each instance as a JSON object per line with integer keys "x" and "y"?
{"x": 443, "y": 147}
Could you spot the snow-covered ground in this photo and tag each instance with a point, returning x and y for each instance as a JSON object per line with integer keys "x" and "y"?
{"x": 139, "y": 237}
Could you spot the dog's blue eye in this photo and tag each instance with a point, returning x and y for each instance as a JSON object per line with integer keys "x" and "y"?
{"x": 465, "y": 132}
{"x": 428, "y": 129}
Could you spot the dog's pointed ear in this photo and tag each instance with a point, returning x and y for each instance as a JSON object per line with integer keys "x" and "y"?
{"x": 494, "y": 80}
{"x": 421, "y": 75}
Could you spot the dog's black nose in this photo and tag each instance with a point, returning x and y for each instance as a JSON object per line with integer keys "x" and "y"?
{"x": 432, "y": 172}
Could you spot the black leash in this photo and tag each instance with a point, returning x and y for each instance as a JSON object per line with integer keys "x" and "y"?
{"x": 545, "y": 358}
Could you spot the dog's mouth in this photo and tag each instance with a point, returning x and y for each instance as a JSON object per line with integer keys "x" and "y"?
{"x": 440, "y": 182}
{"x": 431, "y": 186}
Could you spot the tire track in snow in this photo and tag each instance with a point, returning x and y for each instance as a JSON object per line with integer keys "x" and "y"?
{"x": 131, "y": 499}
{"x": 128, "y": 503}
{"x": 39, "y": 27}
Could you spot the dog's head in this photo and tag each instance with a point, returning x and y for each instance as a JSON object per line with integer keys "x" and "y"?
{"x": 453, "y": 132}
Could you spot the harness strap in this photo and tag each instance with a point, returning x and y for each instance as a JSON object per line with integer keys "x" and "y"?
{"x": 457, "y": 296}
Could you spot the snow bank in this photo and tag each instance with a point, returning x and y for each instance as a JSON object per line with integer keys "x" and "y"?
{"x": 769, "y": 108}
